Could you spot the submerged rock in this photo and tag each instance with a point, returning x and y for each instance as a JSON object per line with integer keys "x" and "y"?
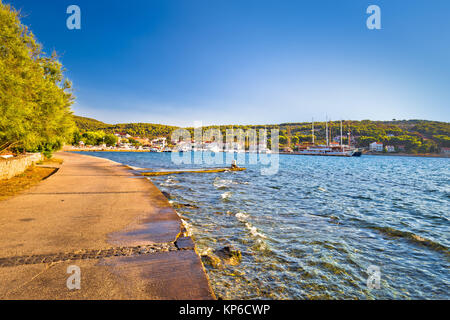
{"x": 212, "y": 260}
{"x": 229, "y": 255}
{"x": 184, "y": 205}
{"x": 166, "y": 194}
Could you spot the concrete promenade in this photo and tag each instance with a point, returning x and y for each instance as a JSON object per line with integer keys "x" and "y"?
{"x": 115, "y": 226}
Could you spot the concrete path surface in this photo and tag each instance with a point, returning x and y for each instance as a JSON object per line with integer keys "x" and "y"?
{"x": 116, "y": 227}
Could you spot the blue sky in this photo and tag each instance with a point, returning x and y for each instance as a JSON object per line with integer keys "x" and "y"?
{"x": 250, "y": 61}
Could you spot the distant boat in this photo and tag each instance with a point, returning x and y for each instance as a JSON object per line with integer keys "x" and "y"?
{"x": 330, "y": 149}
{"x": 323, "y": 150}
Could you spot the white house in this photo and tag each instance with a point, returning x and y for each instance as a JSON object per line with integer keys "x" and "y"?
{"x": 390, "y": 148}
{"x": 376, "y": 146}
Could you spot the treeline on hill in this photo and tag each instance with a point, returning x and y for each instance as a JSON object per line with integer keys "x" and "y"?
{"x": 416, "y": 136}
{"x": 97, "y": 128}
{"x": 35, "y": 97}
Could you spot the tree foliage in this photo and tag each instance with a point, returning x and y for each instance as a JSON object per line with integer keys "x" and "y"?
{"x": 35, "y": 97}
{"x": 95, "y": 138}
{"x": 415, "y": 136}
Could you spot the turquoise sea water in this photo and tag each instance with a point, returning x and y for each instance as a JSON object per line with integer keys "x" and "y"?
{"x": 312, "y": 230}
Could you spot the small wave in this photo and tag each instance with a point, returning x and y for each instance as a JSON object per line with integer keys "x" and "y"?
{"x": 321, "y": 189}
{"x": 203, "y": 251}
{"x": 188, "y": 227}
{"x": 254, "y": 231}
{"x": 222, "y": 183}
{"x": 413, "y": 238}
{"x": 226, "y": 195}
{"x": 169, "y": 182}
{"x": 328, "y": 267}
{"x": 361, "y": 197}
{"x": 261, "y": 245}
{"x": 242, "y": 217}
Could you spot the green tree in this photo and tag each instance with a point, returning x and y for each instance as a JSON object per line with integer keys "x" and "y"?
{"x": 35, "y": 97}
{"x": 93, "y": 138}
{"x": 111, "y": 140}
{"x": 134, "y": 142}
{"x": 442, "y": 140}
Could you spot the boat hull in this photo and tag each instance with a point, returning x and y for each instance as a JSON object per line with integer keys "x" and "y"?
{"x": 324, "y": 154}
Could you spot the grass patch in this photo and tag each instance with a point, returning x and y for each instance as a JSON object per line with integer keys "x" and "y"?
{"x": 47, "y": 161}
{"x": 32, "y": 176}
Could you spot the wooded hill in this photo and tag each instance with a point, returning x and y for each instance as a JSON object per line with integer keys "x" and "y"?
{"x": 415, "y": 136}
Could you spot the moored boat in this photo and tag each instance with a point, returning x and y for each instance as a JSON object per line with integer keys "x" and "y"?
{"x": 329, "y": 149}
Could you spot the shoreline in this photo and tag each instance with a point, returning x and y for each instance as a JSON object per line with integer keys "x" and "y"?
{"x": 407, "y": 155}
{"x": 118, "y": 228}
{"x": 288, "y": 153}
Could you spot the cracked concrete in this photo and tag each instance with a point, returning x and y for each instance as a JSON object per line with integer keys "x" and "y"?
{"x": 90, "y": 206}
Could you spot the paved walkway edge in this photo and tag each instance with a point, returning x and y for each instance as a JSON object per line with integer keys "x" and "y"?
{"x": 116, "y": 226}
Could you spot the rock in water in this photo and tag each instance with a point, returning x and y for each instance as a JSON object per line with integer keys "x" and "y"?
{"x": 229, "y": 255}
{"x": 166, "y": 194}
{"x": 212, "y": 260}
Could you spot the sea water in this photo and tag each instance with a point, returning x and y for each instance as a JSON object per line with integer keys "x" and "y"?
{"x": 314, "y": 229}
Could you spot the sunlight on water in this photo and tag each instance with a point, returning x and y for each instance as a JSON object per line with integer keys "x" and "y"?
{"x": 312, "y": 230}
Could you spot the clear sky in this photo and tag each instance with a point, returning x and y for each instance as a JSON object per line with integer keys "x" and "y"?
{"x": 250, "y": 61}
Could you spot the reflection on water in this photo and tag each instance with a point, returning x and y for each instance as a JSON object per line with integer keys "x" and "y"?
{"x": 312, "y": 230}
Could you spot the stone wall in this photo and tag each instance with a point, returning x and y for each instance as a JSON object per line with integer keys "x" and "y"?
{"x": 14, "y": 166}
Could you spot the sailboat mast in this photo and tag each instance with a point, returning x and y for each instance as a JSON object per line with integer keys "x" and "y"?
{"x": 331, "y": 131}
{"x": 342, "y": 148}
{"x": 326, "y": 129}
{"x": 312, "y": 130}
{"x": 348, "y": 135}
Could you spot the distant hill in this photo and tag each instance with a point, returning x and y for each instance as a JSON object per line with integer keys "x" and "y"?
{"x": 147, "y": 130}
{"x": 413, "y": 136}
{"x": 87, "y": 124}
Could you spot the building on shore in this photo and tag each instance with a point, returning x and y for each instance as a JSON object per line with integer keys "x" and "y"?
{"x": 445, "y": 151}
{"x": 376, "y": 147}
{"x": 390, "y": 149}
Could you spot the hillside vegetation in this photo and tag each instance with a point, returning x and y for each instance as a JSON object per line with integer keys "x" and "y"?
{"x": 144, "y": 130}
{"x": 415, "y": 136}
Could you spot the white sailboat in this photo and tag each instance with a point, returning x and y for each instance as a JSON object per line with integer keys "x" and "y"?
{"x": 337, "y": 150}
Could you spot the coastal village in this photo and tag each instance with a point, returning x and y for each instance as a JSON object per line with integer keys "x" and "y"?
{"x": 126, "y": 142}
{"x": 80, "y": 222}
{"x": 396, "y": 137}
